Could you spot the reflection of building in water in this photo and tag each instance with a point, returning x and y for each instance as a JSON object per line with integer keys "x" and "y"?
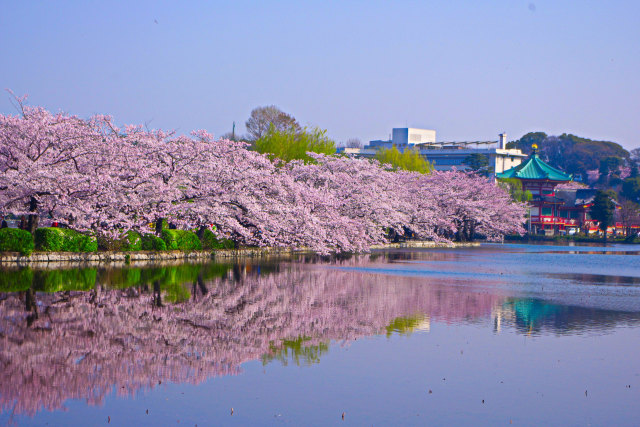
{"x": 498, "y": 314}
{"x": 424, "y": 325}
{"x": 529, "y": 314}
{"x": 532, "y": 316}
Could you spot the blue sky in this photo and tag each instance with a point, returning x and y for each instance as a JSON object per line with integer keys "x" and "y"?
{"x": 469, "y": 69}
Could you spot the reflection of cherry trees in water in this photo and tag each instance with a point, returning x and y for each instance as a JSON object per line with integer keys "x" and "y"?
{"x": 63, "y": 345}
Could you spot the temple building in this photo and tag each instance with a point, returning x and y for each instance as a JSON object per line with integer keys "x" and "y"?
{"x": 575, "y": 207}
{"x": 552, "y": 211}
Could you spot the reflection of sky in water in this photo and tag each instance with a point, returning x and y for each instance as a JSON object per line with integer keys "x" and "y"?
{"x": 528, "y": 329}
{"x": 604, "y": 279}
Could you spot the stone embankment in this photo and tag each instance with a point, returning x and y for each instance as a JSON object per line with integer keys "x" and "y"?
{"x": 153, "y": 257}
{"x": 425, "y": 244}
{"x": 138, "y": 256}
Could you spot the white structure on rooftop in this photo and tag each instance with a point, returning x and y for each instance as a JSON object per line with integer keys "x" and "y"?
{"x": 412, "y": 136}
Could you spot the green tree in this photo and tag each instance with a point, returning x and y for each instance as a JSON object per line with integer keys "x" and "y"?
{"x": 610, "y": 164}
{"x": 478, "y": 163}
{"x": 409, "y": 159}
{"x": 571, "y": 153}
{"x": 514, "y": 187}
{"x": 608, "y": 169}
{"x": 527, "y": 141}
{"x": 602, "y": 211}
{"x": 634, "y": 158}
{"x": 631, "y": 189}
{"x": 293, "y": 144}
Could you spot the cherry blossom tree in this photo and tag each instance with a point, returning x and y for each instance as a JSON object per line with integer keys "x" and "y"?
{"x": 99, "y": 177}
{"x": 50, "y": 164}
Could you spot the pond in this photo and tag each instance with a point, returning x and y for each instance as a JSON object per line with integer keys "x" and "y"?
{"x": 492, "y": 335}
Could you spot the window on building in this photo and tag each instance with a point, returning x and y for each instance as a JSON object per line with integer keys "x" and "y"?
{"x": 547, "y": 211}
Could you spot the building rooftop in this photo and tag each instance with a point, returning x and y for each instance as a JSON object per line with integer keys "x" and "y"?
{"x": 535, "y": 168}
{"x": 577, "y": 197}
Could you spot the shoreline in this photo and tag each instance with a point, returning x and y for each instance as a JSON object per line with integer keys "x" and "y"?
{"x": 150, "y": 257}
{"x": 566, "y": 239}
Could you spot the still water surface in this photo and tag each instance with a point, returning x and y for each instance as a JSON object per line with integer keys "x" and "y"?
{"x": 493, "y": 335}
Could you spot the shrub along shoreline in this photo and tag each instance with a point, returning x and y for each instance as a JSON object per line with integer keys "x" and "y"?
{"x": 55, "y": 245}
{"x": 145, "y": 257}
{"x": 54, "y": 239}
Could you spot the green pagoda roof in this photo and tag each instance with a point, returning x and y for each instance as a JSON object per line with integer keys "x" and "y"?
{"x": 534, "y": 168}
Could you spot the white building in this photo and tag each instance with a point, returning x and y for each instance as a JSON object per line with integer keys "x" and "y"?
{"x": 445, "y": 155}
{"x": 412, "y": 136}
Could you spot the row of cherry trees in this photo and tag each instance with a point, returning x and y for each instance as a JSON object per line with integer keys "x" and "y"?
{"x": 95, "y": 176}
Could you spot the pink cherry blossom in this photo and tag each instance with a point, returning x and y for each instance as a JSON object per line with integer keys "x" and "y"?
{"x": 98, "y": 177}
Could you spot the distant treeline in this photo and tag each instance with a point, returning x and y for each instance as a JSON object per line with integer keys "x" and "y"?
{"x": 599, "y": 164}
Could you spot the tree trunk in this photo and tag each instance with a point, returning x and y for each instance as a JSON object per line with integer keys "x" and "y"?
{"x": 460, "y": 236}
{"x": 31, "y": 306}
{"x": 465, "y": 230}
{"x": 201, "y": 231}
{"x": 201, "y": 285}
{"x": 159, "y": 222}
{"x": 32, "y": 223}
{"x": 157, "y": 297}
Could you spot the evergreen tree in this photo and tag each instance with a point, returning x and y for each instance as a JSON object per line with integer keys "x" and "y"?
{"x": 631, "y": 189}
{"x": 478, "y": 163}
{"x": 602, "y": 211}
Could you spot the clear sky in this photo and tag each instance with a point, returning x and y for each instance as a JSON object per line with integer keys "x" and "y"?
{"x": 469, "y": 69}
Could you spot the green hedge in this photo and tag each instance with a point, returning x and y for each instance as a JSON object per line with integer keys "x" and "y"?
{"x": 131, "y": 241}
{"x": 82, "y": 279}
{"x": 53, "y": 239}
{"x": 210, "y": 241}
{"x": 181, "y": 240}
{"x": 16, "y": 280}
{"x": 48, "y": 280}
{"x": 175, "y": 281}
{"x": 16, "y": 240}
{"x": 119, "y": 278}
{"x": 151, "y": 242}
